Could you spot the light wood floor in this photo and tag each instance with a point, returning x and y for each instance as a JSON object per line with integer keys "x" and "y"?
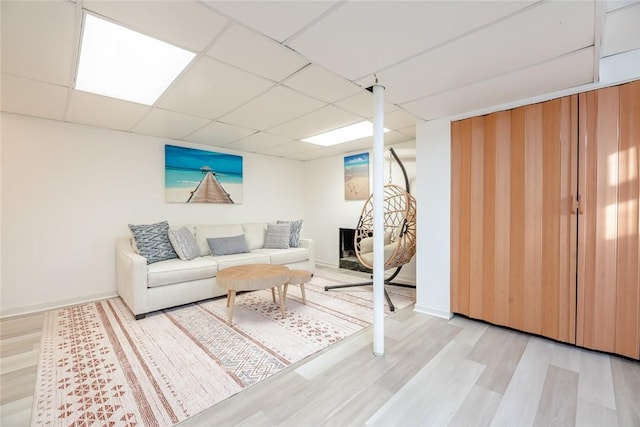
{"x": 434, "y": 373}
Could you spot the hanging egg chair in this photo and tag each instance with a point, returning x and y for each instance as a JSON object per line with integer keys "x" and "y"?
{"x": 399, "y": 213}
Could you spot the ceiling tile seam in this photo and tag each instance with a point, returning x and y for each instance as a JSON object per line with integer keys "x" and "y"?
{"x": 623, "y": 8}
{"x": 599, "y": 19}
{"x": 206, "y": 49}
{"x": 456, "y": 38}
{"x": 284, "y": 81}
{"x": 218, "y": 121}
{"x": 515, "y": 70}
{"x": 313, "y": 22}
{"x": 75, "y": 55}
{"x": 270, "y": 130}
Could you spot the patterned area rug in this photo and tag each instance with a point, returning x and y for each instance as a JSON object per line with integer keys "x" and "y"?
{"x": 99, "y": 366}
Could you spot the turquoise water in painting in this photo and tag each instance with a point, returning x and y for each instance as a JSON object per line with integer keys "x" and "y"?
{"x": 356, "y": 165}
{"x": 183, "y": 167}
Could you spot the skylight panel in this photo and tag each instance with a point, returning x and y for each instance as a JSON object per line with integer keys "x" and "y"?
{"x": 122, "y": 63}
{"x": 344, "y": 134}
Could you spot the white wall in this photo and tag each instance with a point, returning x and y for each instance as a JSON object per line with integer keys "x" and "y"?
{"x": 68, "y": 191}
{"x": 327, "y": 210}
{"x": 433, "y": 153}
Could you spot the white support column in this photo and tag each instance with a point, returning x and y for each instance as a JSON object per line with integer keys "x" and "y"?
{"x": 378, "y": 220}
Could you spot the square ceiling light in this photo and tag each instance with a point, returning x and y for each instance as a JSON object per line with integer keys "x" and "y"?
{"x": 344, "y": 134}
{"x": 121, "y": 63}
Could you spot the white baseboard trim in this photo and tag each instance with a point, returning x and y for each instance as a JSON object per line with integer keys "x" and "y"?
{"x": 55, "y": 305}
{"x": 433, "y": 312}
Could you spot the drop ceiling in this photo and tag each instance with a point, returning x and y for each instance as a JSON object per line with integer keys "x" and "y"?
{"x": 268, "y": 74}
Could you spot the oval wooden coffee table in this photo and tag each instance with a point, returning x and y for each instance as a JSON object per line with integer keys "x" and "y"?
{"x": 251, "y": 277}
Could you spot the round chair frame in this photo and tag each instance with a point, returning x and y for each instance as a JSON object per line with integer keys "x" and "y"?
{"x": 399, "y": 227}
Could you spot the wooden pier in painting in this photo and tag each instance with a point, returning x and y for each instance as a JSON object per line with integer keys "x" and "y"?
{"x": 209, "y": 191}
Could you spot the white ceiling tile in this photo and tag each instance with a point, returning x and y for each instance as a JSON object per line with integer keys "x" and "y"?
{"x": 621, "y": 30}
{"x": 105, "y": 112}
{"x": 318, "y": 153}
{"x": 322, "y": 84}
{"x": 617, "y": 4}
{"x": 562, "y": 73}
{"x": 294, "y": 147}
{"x": 410, "y": 131}
{"x": 362, "y": 104}
{"x": 536, "y": 35}
{"x": 32, "y": 98}
{"x": 259, "y": 141}
{"x": 219, "y": 134}
{"x": 399, "y": 119}
{"x": 276, "y": 106}
{"x": 167, "y": 124}
{"x": 211, "y": 89}
{"x": 187, "y": 24}
{"x": 245, "y": 49}
{"x": 314, "y": 123}
{"x": 279, "y": 20}
{"x": 38, "y": 40}
{"x": 368, "y": 32}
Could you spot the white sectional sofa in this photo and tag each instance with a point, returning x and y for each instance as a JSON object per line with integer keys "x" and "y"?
{"x": 150, "y": 287}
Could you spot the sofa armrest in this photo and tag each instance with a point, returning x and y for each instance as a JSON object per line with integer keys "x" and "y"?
{"x": 131, "y": 276}
{"x": 311, "y": 245}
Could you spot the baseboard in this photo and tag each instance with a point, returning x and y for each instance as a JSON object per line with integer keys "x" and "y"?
{"x": 433, "y": 312}
{"x": 55, "y": 305}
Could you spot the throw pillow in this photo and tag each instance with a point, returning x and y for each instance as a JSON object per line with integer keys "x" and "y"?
{"x": 278, "y": 236}
{"x": 184, "y": 243}
{"x": 152, "y": 241}
{"x": 227, "y": 245}
{"x": 294, "y": 238}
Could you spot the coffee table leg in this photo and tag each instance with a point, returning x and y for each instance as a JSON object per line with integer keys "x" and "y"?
{"x": 282, "y": 294}
{"x": 231, "y": 301}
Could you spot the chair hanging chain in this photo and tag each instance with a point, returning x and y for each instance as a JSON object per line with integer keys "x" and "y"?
{"x": 390, "y": 180}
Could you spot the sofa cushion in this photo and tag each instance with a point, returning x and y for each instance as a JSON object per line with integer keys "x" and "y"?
{"x": 184, "y": 243}
{"x": 285, "y": 256}
{"x": 278, "y": 236}
{"x": 294, "y": 238}
{"x": 176, "y": 271}
{"x": 388, "y": 251}
{"x": 204, "y": 232}
{"x": 253, "y": 257}
{"x": 227, "y": 245}
{"x": 152, "y": 241}
{"x": 254, "y": 234}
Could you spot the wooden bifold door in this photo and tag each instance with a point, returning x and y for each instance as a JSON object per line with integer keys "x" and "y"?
{"x": 544, "y": 219}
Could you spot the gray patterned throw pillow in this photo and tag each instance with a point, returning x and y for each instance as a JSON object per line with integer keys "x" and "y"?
{"x": 184, "y": 243}
{"x": 294, "y": 238}
{"x": 153, "y": 242}
{"x": 278, "y": 236}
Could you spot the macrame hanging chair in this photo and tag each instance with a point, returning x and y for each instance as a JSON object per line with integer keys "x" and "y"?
{"x": 399, "y": 210}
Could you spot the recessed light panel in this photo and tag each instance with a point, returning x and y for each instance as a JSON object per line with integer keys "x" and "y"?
{"x": 344, "y": 134}
{"x": 121, "y": 63}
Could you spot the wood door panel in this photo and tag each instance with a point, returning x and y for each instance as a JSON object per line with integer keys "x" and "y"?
{"x": 515, "y": 235}
{"x": 609, "y": 279}
{"x": 628, "y": 296}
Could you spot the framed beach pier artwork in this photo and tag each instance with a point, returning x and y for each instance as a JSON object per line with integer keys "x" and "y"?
{"x": 200, "y": 176}
{"x": 356, "y": 177}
